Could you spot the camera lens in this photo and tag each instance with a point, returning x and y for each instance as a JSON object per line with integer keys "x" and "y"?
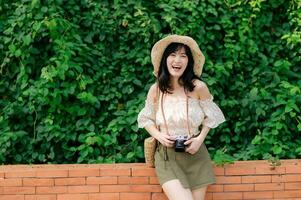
{"x": 179, "y": 145}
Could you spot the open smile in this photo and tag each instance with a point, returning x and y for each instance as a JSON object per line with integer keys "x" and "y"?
{"x": 176, "y": 67}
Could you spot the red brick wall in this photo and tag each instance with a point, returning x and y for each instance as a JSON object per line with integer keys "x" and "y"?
{"x": 241, "y": 180}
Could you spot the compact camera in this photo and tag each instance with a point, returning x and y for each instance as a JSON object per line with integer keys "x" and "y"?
{"x": 179, "y": 143}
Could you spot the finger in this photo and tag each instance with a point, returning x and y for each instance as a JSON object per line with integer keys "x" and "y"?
{"x": 192, "y": 152}
{"x": 188, "y": 149}
{"x": 171, "y": 138}
{"x": 167, "y": 144}
{"x": 188, "y": 142}
{"x": 170, "y": 145}
{"x": 169, "y": 141}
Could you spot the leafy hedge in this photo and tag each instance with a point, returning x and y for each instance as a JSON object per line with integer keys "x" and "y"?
{"x": 74, "y": 75}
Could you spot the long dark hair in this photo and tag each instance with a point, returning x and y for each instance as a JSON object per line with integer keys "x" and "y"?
{"x": 188, "y": 75}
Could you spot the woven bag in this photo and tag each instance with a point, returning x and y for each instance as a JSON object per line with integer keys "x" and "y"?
{"x": 150, "y": 145}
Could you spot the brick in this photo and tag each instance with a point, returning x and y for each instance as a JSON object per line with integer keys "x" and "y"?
{"x": 240, "y": 170}
{"x": 104, "y": 196}
{"x": 130, "y": 188}
{"x": 18, "y": 190}
{"x": 153, "y": 180}
{"x": 143, "y": 172}
{"x": 11, "y": 182}
{"x": 52, "y": 173}
{"x": 11, "y": 197}
{"x": 37, "y": 182}
{"x": 228, "y": 195}
{"x": 287, "y": 199}
{"x": 158, "y": 196}
{"x": 293, "y": 169}
{"x": 83, "y": 189}
{"x": 51, "y": 190}
{"x": 292, "y": 186}
{"x": 70, "y": 181}
{"x": 101, "y": 180}
{"x": 269, "y": 186}
{"x": 237, "y": 188}
{"x": 40, "y": 197}
{"x": 258, "y": 195}
{"x": 20, "y": 174}
{"x": 215, "y": 188}
{"x": 83, "y": 172}
{"x": 146, "y": 188}
{"x": 292, "y": 178}
{"x": 288, "y": 194}
{"x": 270, "y": 170}
{"x": 133, "y": 180}
{"x": 256, "y": 179}
{"x": 115, "y": 188}
{"x": 2, "y": 174}
{"x": 278, "y": 178}
{"x": 72, "y": 197}
{"x": 228, "y": 179}
{"x": 209, "y": 196}
{"x": 219, "y": 171}
{"x": 250, "y": 163}
{"x": 135, "y": 196}
{"x": 115, "y": 172}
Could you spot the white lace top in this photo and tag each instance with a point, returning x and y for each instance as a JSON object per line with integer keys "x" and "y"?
{"x": 204, "y": 112}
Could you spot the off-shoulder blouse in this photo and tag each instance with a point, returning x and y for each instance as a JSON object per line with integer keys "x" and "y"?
{"x": 200, "y": 112}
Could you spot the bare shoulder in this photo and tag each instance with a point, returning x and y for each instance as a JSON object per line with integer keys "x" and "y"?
{"x": 201, "y": 90}
{"x": 152, "y": 93}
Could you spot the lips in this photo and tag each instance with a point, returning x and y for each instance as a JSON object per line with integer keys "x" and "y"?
{"x": 176, "y": 67}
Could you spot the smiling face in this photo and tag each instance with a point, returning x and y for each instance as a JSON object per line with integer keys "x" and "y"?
{"x": 177, "y": 62}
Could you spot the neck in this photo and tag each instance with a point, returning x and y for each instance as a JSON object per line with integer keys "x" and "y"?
{"x": 175, "y": 83}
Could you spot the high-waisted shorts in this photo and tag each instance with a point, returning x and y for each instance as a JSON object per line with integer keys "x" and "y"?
{"x": 193, "y": 171}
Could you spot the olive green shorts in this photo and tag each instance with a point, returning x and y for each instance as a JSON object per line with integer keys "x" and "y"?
{"x": 193, "y": 171}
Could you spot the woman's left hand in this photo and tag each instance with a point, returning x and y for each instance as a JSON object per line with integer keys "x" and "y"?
{"x": 193, "y": 145}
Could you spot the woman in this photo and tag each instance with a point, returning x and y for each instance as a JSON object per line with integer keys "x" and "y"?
{"x": 177, "y": 105}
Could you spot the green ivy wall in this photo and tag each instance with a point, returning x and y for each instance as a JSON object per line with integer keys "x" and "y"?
{"x": 74, "y": 75}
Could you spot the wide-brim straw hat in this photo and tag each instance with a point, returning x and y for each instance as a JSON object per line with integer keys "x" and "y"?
{"x": 160, "y": 46}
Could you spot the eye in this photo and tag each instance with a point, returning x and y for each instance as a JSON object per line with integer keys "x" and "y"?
{"x": 172, "y": 54}
{"x": 183, "y": 55}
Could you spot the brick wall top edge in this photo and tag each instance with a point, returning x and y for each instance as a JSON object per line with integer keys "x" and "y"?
{"x": 69, "y": 166}
{"x": 287, "y": 162}
{"x": 264, "y": 162}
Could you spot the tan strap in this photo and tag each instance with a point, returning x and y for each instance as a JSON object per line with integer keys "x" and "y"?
{"x": 157, "y": 105}
{"x": 162, "y": 110}
{"x": 187, "y": 121}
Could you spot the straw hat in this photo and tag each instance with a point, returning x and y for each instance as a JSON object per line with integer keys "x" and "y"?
{"x": 160, "y": 46}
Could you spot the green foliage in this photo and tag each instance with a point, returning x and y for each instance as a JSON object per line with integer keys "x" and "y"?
{"x": 74, "y": 75}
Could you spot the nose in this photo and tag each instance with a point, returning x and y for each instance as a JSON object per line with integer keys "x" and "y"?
{"x": 177, "y": 58}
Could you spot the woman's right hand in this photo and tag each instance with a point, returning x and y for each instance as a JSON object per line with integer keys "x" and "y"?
{"x": 166, "y": 140}
{"x": 162, "y": 137}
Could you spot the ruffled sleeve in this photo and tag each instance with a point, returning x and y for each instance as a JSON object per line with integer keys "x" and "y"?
{"x": 213, "y": 114}
{"x": 147, "y": 115}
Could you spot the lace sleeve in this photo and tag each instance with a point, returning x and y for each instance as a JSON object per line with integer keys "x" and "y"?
{"x": 147, "y": 115}
{"x": 213, "y": 114}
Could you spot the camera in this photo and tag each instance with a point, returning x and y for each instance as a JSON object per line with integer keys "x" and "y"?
{"x": 179, "y": 143}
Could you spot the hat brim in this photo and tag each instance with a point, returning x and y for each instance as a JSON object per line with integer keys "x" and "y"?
{"x": 160, "y": 46}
